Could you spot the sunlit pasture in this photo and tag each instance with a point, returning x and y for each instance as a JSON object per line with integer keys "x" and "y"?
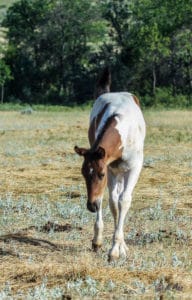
{"x": 46, "y": 231}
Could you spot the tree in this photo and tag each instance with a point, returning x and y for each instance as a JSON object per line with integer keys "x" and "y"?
{"x": 56, "y": 47}
{"x": 5, "y": 75}
{"x": 144, "y": 31}
{"x": 24, "y": 20}
{"x": 50, "y": 44}
{"x": 5, "y": 72}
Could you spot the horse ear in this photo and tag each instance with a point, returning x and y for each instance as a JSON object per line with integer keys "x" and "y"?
{"x": 80, "y": 151}
{"x": 104, "y": 82}
{"x": 100, "y": 153}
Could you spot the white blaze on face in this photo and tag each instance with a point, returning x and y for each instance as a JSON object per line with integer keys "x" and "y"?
{"x": 90, "y": 171}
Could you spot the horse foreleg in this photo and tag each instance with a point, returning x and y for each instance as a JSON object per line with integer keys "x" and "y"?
{"x": 98, "y": 230}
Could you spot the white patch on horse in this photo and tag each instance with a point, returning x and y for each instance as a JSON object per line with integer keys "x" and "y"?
{"x": 130, "y": 123}
{"x": 90, "y": 171}
{"x": 116, "y": 101}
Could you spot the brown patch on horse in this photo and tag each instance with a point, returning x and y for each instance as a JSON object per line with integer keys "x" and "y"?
{"x": 109, "y": 139}
{"x": 136, "y": 100}
{"x": 94, "y": 172}
{"x": 103, "y": 84}
{"x": 105, "y": 149}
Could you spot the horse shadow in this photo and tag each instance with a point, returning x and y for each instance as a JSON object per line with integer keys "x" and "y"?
{"x": 22, "y": 238}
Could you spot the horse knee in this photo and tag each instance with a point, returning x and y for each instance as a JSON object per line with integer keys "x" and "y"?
{"x": 113, "y": 204}
{"x": 124, "y": 202}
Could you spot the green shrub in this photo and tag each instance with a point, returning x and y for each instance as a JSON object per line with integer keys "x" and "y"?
{"x": 164, "y": 98}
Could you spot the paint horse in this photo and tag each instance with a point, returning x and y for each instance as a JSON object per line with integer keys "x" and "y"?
{"x": 115, "y": 158}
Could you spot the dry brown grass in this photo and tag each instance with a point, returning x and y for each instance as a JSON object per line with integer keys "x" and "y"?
{"x": 38, "y": 170}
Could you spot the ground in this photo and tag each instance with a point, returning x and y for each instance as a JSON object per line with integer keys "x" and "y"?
{"x": 46, "y": 231}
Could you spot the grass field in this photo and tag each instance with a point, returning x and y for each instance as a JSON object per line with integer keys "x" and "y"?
{"x": 46, "y": 231}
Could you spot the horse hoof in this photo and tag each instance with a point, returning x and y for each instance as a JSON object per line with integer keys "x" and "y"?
{"x": 124, "y": 250}
{"x": 112, "y": 258}
{"x": 95, "y": 247}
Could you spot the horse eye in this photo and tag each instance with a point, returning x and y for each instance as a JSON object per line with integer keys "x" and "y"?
{"x": 101, "y": 175}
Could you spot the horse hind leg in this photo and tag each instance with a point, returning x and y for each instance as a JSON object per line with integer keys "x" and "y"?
{"x": 116, "y": 187}
{"x": 119, "y": 247}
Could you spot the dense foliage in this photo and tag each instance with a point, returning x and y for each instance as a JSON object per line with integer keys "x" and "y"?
{"x": 56, "y": 48}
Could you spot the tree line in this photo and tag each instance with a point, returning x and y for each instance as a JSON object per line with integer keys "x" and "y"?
{"x": 56, "y": 48}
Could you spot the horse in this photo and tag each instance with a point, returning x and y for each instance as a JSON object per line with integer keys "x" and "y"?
{"x": 116, "y": 135}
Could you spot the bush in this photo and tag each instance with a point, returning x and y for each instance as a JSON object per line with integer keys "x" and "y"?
{"x": 165, "y": 99}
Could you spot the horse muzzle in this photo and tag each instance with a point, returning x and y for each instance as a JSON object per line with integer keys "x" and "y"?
{"x": 93, "y": 206}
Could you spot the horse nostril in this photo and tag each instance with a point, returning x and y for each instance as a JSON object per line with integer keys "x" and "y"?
{"x": 92, "y": 206}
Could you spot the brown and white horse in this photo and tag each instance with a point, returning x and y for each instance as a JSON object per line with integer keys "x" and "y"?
{"x": 115, "y": 158}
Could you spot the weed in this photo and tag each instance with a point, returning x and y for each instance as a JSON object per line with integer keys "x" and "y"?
{"x": 87, "y": 287}
{"x": 176, "y": 262}
{"x": 43, "y": 292}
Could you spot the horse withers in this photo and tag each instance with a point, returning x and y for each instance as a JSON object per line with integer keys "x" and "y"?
{"x": 114, "y": 159}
